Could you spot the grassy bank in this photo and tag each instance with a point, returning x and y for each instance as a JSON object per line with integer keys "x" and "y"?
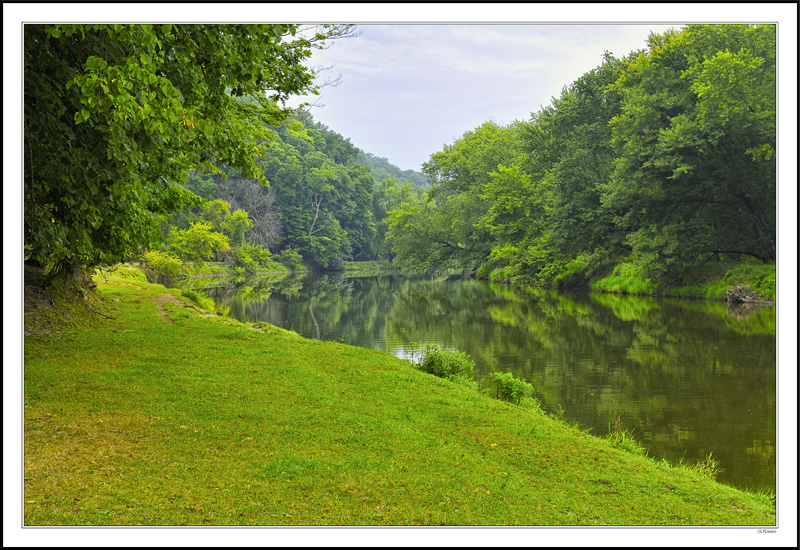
{"x": 154, "y": 411}
{"x": 708, "y": 281}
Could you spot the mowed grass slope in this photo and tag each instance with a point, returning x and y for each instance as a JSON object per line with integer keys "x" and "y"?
{"x": 165, "y": 415}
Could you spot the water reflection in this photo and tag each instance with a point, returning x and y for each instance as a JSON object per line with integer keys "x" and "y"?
{"x": 688, "y": 377}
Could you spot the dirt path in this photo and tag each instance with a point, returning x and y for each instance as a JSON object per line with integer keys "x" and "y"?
{"x": 162, "y": 299}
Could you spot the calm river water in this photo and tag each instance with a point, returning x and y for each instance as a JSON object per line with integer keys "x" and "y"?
{"x": 689, "y": 378}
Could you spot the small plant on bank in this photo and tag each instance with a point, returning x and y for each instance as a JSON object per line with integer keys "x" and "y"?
{"x": 445, "y": 363}
{"x": 623, "y": 439}
{"x": 511, "y": 389}
{"x": 708, "y": 467}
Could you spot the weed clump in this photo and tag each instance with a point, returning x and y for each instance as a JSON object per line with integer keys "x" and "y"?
{"x": 623, "y": 440}
{"x": 452, "y": 365}
{"x": 509, "y": 388}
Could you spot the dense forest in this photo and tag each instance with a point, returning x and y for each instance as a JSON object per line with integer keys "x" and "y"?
{"x": 324, "y": 204}
{"x": 173, "y": 143}
{"x": 659, "y": 160}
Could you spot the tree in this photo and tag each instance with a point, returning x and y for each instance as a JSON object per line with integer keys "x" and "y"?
{"x": 695, "y": 169}
{"x": 449, "y": 217}
{"x": 426, "y": 236}
{"x": 389, "y": 195}
{"x": 198, "y": 243}
{"x": 116, "y": 116}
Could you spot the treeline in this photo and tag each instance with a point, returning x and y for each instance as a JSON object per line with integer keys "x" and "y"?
{"x": 322, "y": 207}
{"x": 381, "y": 169}
{"x": 661, "y": 160}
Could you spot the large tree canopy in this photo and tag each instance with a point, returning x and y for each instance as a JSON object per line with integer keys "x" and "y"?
{"x": 116, "y": 116}
{"x": 695, "y": 142}
{"x": 665, "y": 158}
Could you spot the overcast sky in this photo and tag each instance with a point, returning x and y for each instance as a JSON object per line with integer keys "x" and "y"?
{"x": 406, "y": 90}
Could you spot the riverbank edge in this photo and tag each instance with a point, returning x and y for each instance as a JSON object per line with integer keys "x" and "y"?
{"x": 577, "y": 441}
{"x": 706, "y": 282}
{"x": 220, "y": 269}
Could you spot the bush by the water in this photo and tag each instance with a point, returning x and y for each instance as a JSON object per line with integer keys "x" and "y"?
{"x": 509, "y": 388}
{"x": 445, "y": 363}
{"x": 627, "y": 278}
{"x": 160, "y": 266}
{"x": 252, "y": 257}
{"x": 290, "y": 258}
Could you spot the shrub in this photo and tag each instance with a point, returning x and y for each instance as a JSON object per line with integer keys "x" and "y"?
{"x": 290, "y": 258}
{"x": 162, "y": 265}
{"x": 509, "y": 388}
{"x": 484, "y": 270}
{"x": 252, "y": 257}
{"x": 198, "y": 243}
{"x": 627, "y": 278}
{"x": 445, "y": 363}
{"x": 573, "y": 274}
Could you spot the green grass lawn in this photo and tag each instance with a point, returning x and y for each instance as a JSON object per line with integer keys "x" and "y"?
{"x": 170, "y": 415}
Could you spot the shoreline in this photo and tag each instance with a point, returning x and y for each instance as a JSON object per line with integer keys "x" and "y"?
{"x": 378, "y": 428}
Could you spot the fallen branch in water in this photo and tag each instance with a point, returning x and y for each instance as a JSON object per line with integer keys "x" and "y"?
{"x": 743, "y": 294}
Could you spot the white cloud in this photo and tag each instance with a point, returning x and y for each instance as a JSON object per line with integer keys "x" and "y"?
{"x": 406, "y": 88}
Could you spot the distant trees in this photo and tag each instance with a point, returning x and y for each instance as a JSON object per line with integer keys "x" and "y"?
{"x": 322, "y": 206}
{"x": 443, "y": 230}
{"x": 381, "y": 169}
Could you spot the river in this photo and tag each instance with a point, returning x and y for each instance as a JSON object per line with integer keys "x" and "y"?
{"x": 687, "y": 378}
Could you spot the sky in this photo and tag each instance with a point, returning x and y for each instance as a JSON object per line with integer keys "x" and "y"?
{"x": 407, "y": 90}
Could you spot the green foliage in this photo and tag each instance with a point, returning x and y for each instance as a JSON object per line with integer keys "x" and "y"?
{"x": 390, "y": 195}
{"x": 627, "y": 278}
{"x": 509, "y": 388}
{"x": 290, "y": 258}
{"x": 252, "y": 257}
{"x": 712, "y": 280}
{"x": 197, "y": 244}
{"x": 694, "y": 173}
{"x": 760, "y": 277}
{"x": 162, "y": 265}
{"x": 116, "y": 116}
{"x": 573, "y": 275}
{"x": 437, "y": 235}
{"x": 445, "y": 363}
{"x": 381, "y": 170}
{"x": 321, "y": 201}
{"x": 665, "y": 154}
